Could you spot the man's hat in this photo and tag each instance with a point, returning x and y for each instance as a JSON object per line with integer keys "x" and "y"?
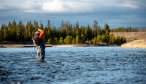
{"x": 40, "y": 29}
{"x": 37, "y": 33}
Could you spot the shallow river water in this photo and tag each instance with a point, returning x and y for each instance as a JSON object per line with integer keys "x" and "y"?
{"x": 73, "y": 65}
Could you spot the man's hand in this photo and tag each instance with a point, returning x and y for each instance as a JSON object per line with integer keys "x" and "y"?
{"x": 35, "y": 44}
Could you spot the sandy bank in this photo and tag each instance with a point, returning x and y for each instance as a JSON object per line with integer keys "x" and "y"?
{"x": 135, "y": 44}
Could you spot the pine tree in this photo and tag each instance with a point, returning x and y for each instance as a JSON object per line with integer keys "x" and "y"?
{"x": 61, "y": 40}
{"x": 95, "y": 25}
{"x": 77, "y": 39}
{"x": 49, "y": 41}
{"x": 28, "y": 31}
{"x": 13, "y": 30}
{"x": 106, "y": 29}
{"x": 73, "y": 41}
{"x": 68, "y": 40}
{"x": 20, "y": 31}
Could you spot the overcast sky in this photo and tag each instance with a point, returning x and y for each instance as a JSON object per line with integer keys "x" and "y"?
{"x": 117, "y": 13}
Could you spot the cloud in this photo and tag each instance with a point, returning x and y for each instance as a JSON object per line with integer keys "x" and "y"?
{"x": 68, "y": 6}
{"x": 84, "y": 6}
{"x": 130, "y": 4}
{"x": 53, "y": 6}
{"x": 110, "y": 11}
{"x": 20, "y": 6}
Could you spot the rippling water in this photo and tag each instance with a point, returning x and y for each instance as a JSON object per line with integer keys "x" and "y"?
{"x": 74, "y": 65}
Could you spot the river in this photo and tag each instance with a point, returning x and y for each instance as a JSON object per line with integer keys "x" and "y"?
{"x": 73, "y": 65}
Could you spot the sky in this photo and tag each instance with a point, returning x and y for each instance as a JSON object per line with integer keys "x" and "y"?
{"x": 116, "y": 13}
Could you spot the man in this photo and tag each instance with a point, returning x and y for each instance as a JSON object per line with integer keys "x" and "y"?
{"x": 39, "y": 42}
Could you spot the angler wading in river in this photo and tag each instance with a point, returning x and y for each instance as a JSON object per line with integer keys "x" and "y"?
{"x": 39, "y": 42}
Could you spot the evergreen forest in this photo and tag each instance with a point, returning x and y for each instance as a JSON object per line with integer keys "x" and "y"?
{"x": 68, "y": 33}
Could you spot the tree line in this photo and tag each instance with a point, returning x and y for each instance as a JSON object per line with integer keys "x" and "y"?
{"x": 125, "y": 29}
{"x": 66, "y": 34}
{"x": 128, "y": 29}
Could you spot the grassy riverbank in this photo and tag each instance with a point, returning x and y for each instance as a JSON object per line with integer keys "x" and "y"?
{"x": 134, "y": 39}
{"x": 135, "y": 44}
{"x": 131, "y": 36}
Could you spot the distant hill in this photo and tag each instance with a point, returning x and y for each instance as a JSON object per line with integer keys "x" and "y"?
{"x": 134, "y": 39}
{"x": 131, "y": 36}
{"x": 135, "y": 44}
